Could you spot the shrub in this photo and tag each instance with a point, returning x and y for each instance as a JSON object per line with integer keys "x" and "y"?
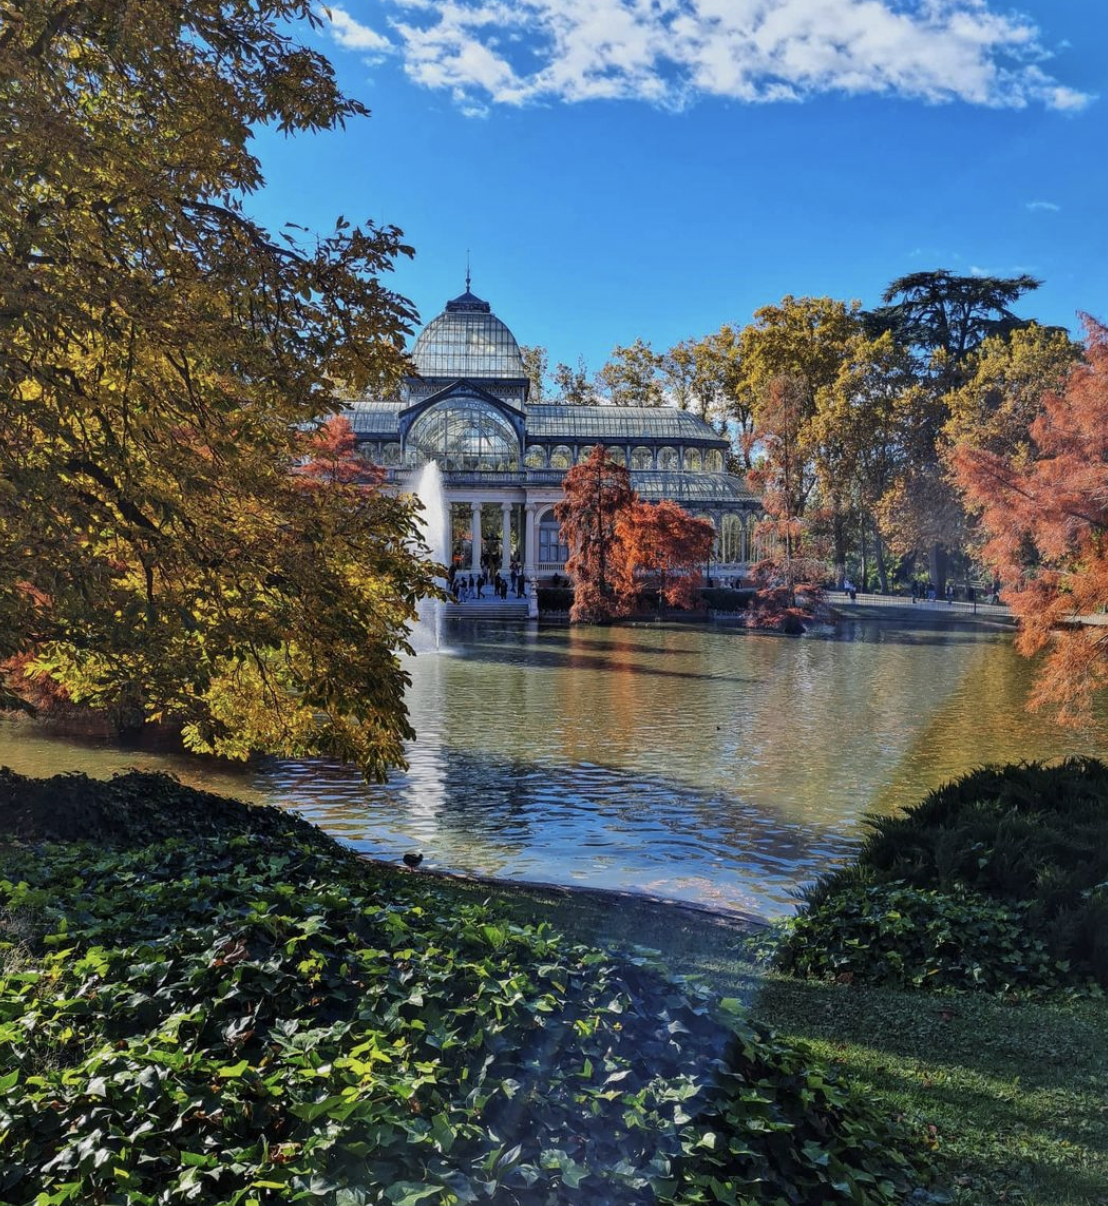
{"x": 720, "y": 598}
{"x": 1030, "y": 837}
{"x": 901, "y": 936}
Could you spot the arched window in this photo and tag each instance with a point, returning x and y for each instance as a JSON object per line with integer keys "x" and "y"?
{"x": 693, "y": 463}
{"x": 536, "y": 457}
{"x": 616, "y": 454}
{"x": 715, "y": 543}
{"x": 713, "y": 461}
{"x": 642, "y": 458}
{"x": 551, "y": 550}
{"x": 762, "y": 544}
{"x": 561, "y": 457}
{"x": 731, "y": 540}
{"x": 668, "y": 460}
{"x": 584, "y": 451}
{"x": 465, "y": 433}
{"x": 390, "y": 454}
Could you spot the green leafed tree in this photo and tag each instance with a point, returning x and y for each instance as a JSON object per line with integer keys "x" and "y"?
{"x": 938, "y": 311}
{"x": 535, "y": 365}
{"x": 858, "y": 427}
{"x": 573, "y": 385}
{"x": 632, "y": 376}
{"x": 163, "y": 359}
{"x": 942, "y": 319}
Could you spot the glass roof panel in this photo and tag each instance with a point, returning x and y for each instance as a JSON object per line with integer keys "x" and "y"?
{"x": 370, "y": 418}
{"x": 468, "y": 344}
{"x": 615, "y": 424}
{"x": 691, "y": 487}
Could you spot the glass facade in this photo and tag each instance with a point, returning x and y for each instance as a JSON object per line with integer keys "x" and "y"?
{"x": 467, "y": 342}
{"x": 731, "y": 548}
{"x": 467, "y": 408}
{"x": 464, "y": 433}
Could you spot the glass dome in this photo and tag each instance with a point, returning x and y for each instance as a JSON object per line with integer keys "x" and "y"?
{"x": 464, "y": 433}
{"x": 467, "y": 342}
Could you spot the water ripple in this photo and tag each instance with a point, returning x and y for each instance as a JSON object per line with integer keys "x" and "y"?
{"x": 721, "y": 767}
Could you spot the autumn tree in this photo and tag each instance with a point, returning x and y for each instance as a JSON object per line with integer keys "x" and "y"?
{"x": 597, "y": 495}
{"x": 161, "y": 357}
{"x": 789, "y": 353}
{"x": 1044, "y": 510}
{"x": 632, "y": 376}
{"x": 664, "y": 549}
{"x": 574, "y": 385}
{"x": 535, "y": 365}
{"x": 857, "y": 426}
{"x": 1005, "y": 380}
{"x": 786, "y": 477}
{"x": 706, "y": 376}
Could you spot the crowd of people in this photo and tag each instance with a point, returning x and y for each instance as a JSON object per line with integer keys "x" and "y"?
{"x": 463, "y": 586}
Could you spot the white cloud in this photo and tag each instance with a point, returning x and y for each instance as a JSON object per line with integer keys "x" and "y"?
{"x": 1043, "y": 205}
{"x": 670, "y": 52}
{"x": 352, "y": 34}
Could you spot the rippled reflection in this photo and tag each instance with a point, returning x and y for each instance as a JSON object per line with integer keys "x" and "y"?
{"x": 719, "y": 766}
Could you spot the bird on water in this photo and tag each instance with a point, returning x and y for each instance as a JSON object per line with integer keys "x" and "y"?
{"x": 412, "y": 859}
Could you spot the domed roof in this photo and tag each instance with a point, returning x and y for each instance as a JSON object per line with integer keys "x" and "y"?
{"x": 467, "y": 341}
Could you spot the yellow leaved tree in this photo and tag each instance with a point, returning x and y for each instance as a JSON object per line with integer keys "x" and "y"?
{"x": 164, "y": 360}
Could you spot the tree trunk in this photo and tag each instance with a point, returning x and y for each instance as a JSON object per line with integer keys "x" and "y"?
{"x": 879, "y": 557}
{"x": 936, "y": 560}
{"x": 838, "y": 535}
{"x": 865, "y": 561}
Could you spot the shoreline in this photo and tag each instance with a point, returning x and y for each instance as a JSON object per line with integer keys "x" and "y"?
{"x": 726, "y": 918}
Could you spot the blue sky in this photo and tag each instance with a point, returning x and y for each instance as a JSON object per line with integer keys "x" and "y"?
{"x": 655, "y": 168}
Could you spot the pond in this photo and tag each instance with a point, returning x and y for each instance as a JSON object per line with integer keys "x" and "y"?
{"x": 709, "y": 765}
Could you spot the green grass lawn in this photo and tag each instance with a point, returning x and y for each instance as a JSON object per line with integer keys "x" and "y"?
{"x": 1013, "y": 1092}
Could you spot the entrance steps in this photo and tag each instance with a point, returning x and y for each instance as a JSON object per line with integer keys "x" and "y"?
{"x": 489, "y": 608}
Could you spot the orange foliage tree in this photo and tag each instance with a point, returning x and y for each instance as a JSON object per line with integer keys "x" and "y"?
{"x": 597, "y": 493}
{"x": 664, "y": 548}
{"x": 619, "y": 544}
{"x": 1043, "y": 510}
{"x": 332, "y": 456}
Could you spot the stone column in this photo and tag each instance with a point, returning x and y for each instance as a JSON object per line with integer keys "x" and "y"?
{"x": 475, "y": 524}
{"x": 529, "y": 549}
{"x": 505, "y": 539}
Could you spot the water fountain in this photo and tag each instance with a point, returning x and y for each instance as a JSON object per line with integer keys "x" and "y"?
{"x": 434, "y": 523}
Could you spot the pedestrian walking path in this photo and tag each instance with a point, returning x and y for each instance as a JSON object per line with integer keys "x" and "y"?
{"x": 841, "y": 601}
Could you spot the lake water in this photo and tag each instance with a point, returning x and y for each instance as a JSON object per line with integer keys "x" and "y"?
{"x": 717, "y": 766}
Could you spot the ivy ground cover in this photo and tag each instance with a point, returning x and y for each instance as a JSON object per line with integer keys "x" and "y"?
{"x": 246, "y": 1017}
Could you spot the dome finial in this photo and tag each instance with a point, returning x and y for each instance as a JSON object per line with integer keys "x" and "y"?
{"x": 467, "y": 269}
